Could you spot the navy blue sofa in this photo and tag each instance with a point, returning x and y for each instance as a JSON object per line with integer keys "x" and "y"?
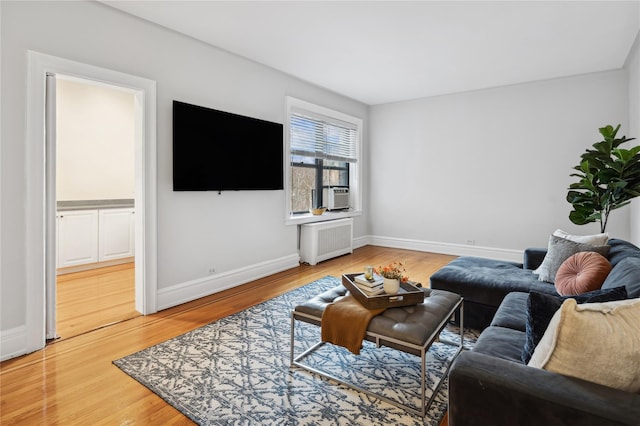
{"x": 490, "y": 385}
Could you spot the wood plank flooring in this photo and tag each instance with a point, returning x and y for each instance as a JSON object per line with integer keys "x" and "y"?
{"x": 95, "y": 298}
{"x": 73, "y": 381}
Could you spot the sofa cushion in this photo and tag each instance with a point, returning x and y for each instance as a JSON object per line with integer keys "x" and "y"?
{"x": 533, "y": 257}
{"x": 486, "y": 281}
{"x": 621, "y": 249}
{"x": 559, "y": 250}
{"x": 627, "y": 274}
{"x": 541, "y": 308}
{"x": 580, "y": 341}
{"x": 510, "y": 314}
{"x": 581, "y": 273}
{"x": 500, "y": 342}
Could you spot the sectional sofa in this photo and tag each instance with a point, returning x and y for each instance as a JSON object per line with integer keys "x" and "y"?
{"x": 493, "y": 385}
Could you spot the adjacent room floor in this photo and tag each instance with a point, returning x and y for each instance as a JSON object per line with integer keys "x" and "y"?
{"x": 92, "y": 299}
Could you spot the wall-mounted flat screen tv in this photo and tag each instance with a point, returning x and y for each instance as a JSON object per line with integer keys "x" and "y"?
{"x": 220, "y": 151}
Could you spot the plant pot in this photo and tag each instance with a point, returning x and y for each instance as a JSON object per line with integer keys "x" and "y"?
{"x": 391, "y": 285}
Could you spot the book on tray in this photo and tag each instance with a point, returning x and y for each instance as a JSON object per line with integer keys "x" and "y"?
{"x": 376, "y": 280}
{"x": 370, "y": 291}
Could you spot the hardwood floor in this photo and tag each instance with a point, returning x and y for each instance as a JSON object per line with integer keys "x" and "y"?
{"x": 95, "y": 298}
{"x": 73, "y": 381}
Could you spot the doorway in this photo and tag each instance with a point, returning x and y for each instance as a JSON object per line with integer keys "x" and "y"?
{"x": 95, "y": 206}
{"x": 41, "y": 202}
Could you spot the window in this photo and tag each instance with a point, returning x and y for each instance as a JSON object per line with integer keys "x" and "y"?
{"x": 323, "y": 148}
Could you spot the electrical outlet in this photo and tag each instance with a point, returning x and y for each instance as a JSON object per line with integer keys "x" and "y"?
{"x": 212, "y": 271}
{"x": 471, "y": 242}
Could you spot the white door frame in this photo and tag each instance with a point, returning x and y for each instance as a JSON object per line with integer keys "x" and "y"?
{"x": 39, "y": 207}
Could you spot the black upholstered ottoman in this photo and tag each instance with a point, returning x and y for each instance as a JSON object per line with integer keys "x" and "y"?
{"x": 410, "y": 329}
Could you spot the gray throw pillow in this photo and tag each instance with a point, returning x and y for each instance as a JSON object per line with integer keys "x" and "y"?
{"x": 559, "y": 250}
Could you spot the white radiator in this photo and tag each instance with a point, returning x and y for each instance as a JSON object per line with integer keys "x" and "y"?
{"x": 324, "y": 240}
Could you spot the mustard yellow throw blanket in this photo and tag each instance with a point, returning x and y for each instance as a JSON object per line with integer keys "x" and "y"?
{"x": 345, "y": 322}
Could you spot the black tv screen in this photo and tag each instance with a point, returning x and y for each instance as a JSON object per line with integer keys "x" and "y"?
{"x": 218, "y": 151}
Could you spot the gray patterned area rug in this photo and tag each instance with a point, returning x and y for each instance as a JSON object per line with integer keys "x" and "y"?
{"x": 235, "y": 371}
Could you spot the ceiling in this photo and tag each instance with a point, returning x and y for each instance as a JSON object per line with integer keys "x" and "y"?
{"x": 388, "y": 51}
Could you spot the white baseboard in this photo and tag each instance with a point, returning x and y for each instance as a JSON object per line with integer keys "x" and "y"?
{"x": 195, "y": 289}
{"x": 89, "y": 266}
{"x": 13, "y": 342}
{"x": 446, "y": 248}
{"x": 361, "y": 242}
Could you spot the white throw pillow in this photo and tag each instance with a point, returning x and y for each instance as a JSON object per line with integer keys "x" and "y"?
{"x": 598, "y": 342}
{"x": 594, "y": 240}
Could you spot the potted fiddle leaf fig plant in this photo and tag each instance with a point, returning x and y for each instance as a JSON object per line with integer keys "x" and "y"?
{"x": 608, "y": 178}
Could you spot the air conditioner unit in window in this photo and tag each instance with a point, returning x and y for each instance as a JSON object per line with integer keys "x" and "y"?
{"x": 336, "y": 198}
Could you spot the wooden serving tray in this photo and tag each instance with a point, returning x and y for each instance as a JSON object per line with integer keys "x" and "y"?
{"x": 408, "y": 294}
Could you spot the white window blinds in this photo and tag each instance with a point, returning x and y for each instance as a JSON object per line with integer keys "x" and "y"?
{"x": 313, "y": 135}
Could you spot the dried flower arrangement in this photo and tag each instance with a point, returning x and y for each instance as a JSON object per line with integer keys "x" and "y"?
{"x": 394, "y": 270}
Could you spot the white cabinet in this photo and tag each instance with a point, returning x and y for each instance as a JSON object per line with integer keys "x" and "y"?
{"x": 116, "y": 236}
{"x": 77, "y": 237}
{"x": 96, "y": 235}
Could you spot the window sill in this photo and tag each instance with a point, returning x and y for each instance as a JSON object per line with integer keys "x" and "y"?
{"x": 300, "y": 219}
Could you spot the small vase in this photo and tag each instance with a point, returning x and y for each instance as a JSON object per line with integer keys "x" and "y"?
{"x": 391, "y": 285}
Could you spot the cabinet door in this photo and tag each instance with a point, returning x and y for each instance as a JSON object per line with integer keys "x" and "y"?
{"x": 77, "y": 237}
{"x": 116, "y": 234}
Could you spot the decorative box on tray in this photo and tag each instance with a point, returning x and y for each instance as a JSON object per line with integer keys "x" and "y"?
{"x": 409, "y": 294}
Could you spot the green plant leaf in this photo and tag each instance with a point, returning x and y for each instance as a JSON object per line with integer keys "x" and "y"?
{"x": 608, "y": 131}
{"x": 603, "y": 147}
{"x": 618, "y": 184}
{"x": 617, "y": 206}
{"x": 617, "y": 167}
{"x": 623, "y": 154}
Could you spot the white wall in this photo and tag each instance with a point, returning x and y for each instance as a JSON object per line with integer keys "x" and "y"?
{"x": 490, "y": 166}
{"x": 196, "y": 231}
{"x": 95, "y": 142}
{"x": 633, "y": 67}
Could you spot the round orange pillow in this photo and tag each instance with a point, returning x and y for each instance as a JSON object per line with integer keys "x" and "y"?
{"x": 582, "y": 272}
